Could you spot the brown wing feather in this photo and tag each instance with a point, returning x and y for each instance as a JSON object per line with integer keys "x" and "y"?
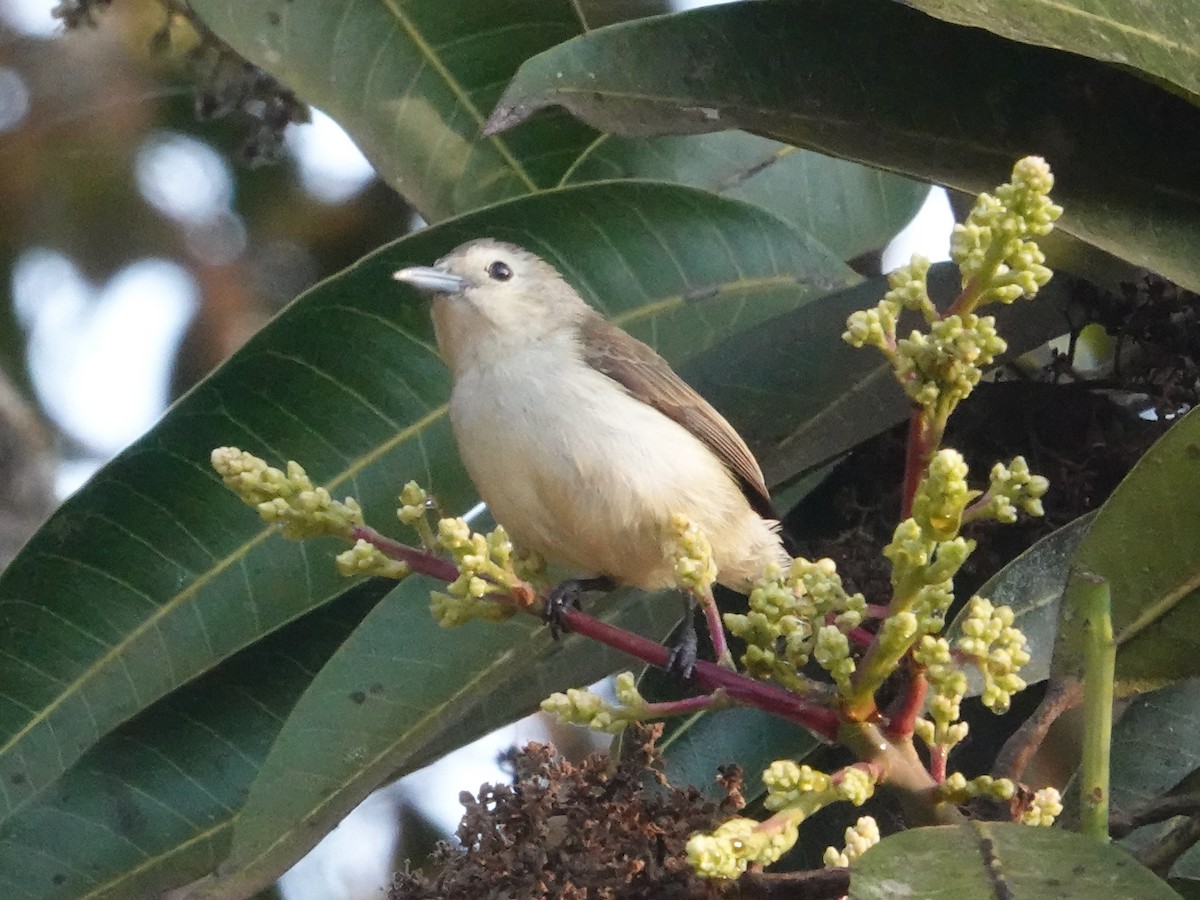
{"x": 646, "y": 375}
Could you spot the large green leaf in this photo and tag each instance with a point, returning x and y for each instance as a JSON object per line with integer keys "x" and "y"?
{"x": 153, "y": 573}
{"x": 880, "y": 83}
{"x": 412, "y": 81}
{"x": 849, "y": 208}
{"x": 1143, "y": 542}
{"x": 152, "y": 805}
{"x": 800, "y": 395}
{"x": 990, "y": 860}
{"x": 1161, "y": 39}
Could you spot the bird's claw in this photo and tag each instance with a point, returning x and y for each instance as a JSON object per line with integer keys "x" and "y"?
{"x": 567, "y": 595}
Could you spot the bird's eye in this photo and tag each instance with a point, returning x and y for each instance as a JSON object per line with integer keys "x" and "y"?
{"x": 499, "y": 271}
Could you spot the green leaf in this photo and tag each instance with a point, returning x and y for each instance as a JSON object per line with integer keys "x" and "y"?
{"x": 1032, "y": 585}
{"x": 153, "y": 572}
{"x": 385, "y": 706}
{"x": 842, "y": 80}
{"x": 849, "y": 208}
{"x": 412, "y": 83}
{"x": 695, "y": 748}
{"x": 1143, "y": 542}
{"x": 800, "y": 395}
{"x": 1155, "y": 744}
{"x": 1161, "y": 39}
{"x": 152, "y": 805}
{"x": 989, "y": 860}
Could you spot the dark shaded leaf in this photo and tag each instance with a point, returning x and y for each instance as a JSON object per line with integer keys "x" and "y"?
{"x": 1161, "y": 39}
{"x": 152, "y": 805}
{"x": 887, "y": 85}
{"x": 1144, "y": 541}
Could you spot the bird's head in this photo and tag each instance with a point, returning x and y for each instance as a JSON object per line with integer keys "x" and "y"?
{"x": 491, "y": 299}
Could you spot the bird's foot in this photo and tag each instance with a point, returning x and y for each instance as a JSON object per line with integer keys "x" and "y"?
{"x": 682, "y": 661}
{"x": 566, "y": 595}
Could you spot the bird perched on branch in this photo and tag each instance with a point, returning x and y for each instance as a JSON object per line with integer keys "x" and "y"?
{"x": 581, "y": 439}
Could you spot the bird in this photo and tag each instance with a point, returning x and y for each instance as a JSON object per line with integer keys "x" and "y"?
{"x": 581, "y": 439}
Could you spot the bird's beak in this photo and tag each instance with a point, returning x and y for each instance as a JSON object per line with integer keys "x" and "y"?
{"x": 427, "y": 278}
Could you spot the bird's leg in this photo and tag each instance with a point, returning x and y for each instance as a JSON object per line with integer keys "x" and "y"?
{"x": 682, "y": 660}
{"x": 567, "y": 594}
{"x": 716, "y": 631}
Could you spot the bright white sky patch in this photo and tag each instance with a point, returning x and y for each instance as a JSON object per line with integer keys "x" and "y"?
{"x": 331, "y": 167}
{"x": 14, "y": 99}
{"x": 100, "y": 359}
{"x": 31, "y": 17}
{"x": 183, "y": 178}
{"x": 927, "y": 234}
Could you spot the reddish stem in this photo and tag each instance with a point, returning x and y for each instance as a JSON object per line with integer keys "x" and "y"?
{"x": 420, "y": 561}
{"x": 937, "y": 762}
{"x": 915, "y": 453}
{"x": 907, "y": 706}
{"x": 707, "y": 676}
{"x": 680, "y": 707}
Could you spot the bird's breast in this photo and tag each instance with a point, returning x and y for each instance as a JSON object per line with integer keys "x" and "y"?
{"x": 577, "y": 469}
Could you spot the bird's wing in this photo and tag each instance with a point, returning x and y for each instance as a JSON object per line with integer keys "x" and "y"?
{"x": 647, "y": 377}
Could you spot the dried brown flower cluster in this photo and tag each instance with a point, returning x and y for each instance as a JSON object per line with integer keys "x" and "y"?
{"x": 575, "y": 832}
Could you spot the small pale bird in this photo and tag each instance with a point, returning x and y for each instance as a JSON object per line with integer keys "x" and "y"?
{"x": 580, "y": 438}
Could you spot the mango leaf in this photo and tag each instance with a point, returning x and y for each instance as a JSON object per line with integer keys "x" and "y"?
{"x": 800, "y": 395}
{"x": 381, "y": 708}
{"x": 1143, "y": 542}
{"x": 842, "y": 80}
{"x": 990, "y": 860}
{"x": 849, "y": 208}
{"x": 412, "y": 83}
{"x": 153, "y": 573}
{"x": 1160, "y": 39}
{"x": 1144, "y": 764}
{"x": 152, "y": 805}
{"x": 1032, "y": 585}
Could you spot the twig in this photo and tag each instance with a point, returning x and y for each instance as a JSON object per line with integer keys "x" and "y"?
{"x": 709, "y": 677}
{"x": 1160, "y": 856}
{"x": 1061, "y": 694}
{"x": 1157, "y": 810}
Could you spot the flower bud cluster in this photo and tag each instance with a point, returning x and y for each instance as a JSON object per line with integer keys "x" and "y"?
{"x": 287, "y": 499}
{"x": 364, "y": 558}
{"x": 998, "y": 263}
{"x": 415, "y": 504}
{"x": 1045, "y": 807}
{"x": 1013, "y": 487}
{"x": 797, "y": 616}
{"x": 992, "y": 246}
{"x": 485, "y": 573}
{"x": 695, "y": 570}
{"x": 947, "y": 687}
{"x": 582, "y": 707}
{"x": 860, "y": 837}
{"x": 991, "y": 642}
{"x": 794, "y": 792}
{"x": 957, "y": 789}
